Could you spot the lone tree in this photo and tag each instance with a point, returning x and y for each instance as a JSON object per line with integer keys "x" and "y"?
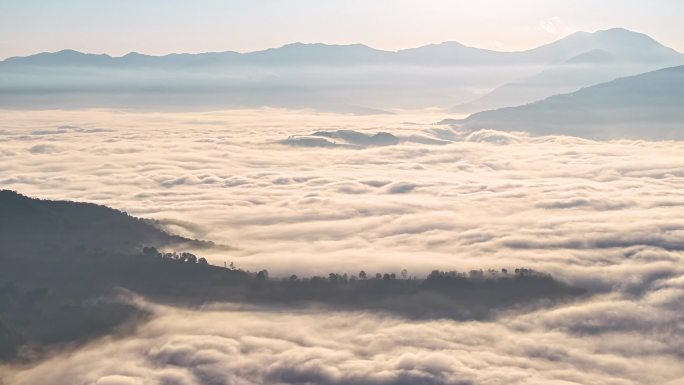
{"x": 150, "y": 251}
{"x": 188, "y": 257}
{"x": 363, "y": 275}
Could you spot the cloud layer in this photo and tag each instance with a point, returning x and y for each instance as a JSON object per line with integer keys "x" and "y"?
{"x": 488, "y": 199}
{"x": 604, "y": 215}
{"x": 603, "y": 341}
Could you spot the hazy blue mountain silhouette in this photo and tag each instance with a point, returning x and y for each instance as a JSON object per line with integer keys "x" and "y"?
{"x": 617, "y": 53}
{"x": 628, "y": 44}
{"x": 648, "y": 105}
{"x": 341, "y": 78}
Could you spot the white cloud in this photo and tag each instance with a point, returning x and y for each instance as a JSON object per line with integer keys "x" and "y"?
{"x": 488, "y": 198}
{"x": 605, "y": 215}
{"x": 606, "y": 340}
{"x": 554, "y": 26}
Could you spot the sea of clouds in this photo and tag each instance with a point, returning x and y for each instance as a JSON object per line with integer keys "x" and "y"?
{"x": 607, "y": 340}
{"x": 607, "y": 216}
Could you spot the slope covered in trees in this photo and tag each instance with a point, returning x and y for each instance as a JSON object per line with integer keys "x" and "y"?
{"x": 50, "y": 297}
{"x": 51, "y": 227}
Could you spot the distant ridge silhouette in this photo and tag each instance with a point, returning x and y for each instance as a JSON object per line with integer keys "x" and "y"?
{"x": 643, "y": 106}
{"x": 635, "y": 45}
{"x": 616, "y": 53}
{"x": 351, "y": 78}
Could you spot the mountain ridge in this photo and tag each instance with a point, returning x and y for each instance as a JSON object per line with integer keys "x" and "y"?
{"x": 60, "y": 226}
{"x": 614, "y": 53}
{"x": 554, "y": 50}
{"x": 352, "y": 78}
{"x": 644, "y": 106}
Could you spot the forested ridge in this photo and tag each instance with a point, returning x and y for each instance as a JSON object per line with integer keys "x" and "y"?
{"x": 69, "y": 293}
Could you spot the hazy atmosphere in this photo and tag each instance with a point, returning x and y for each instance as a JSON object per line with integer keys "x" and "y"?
{"x": 381, "y": 192}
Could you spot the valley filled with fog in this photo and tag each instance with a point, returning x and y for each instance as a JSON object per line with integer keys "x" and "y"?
{"x": 312, "y": 193}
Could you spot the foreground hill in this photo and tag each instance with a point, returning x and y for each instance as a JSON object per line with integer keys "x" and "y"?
{"x": 35, "y": 225}
{"x": 643, "y": 106}
{"x": 49, "y": 297}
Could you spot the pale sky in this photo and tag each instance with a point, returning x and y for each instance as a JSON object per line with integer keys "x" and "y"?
{"x": 165, "y": 26}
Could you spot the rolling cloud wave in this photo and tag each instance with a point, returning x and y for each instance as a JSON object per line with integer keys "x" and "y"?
{"x": 602, "y": 215}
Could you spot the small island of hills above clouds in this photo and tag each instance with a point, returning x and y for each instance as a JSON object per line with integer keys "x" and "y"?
{"x": 271, "y": 193}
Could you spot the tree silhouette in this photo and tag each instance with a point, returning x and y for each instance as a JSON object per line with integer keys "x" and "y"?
{"x": 262, "y": 275}
{"x": 150, "y": 251}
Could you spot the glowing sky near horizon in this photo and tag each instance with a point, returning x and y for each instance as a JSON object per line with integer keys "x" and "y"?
{"x": 160, "y": 27}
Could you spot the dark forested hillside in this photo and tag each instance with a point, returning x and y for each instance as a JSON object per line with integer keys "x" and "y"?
{"x": 36, "y": 225}
{"x": 69, "y": 294}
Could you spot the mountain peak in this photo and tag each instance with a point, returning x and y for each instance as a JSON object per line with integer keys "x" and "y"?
{"x": 300, "y": 44}
{"x": 72, "y": 53}
{"x": 68, "y": 52}
{"x": 618, "y": 31}
{"x": 612, "y": 35}
{"x": 622, "y": 34}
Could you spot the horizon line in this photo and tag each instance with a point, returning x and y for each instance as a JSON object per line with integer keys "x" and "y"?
{"x": 330, "y": 45}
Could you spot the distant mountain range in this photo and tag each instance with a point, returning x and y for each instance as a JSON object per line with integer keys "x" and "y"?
{"x": 649, "y": 105}
{"x": 345, "y": 78}
{"x": 636, "y": 54}
{"x": 626, "y": 44}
